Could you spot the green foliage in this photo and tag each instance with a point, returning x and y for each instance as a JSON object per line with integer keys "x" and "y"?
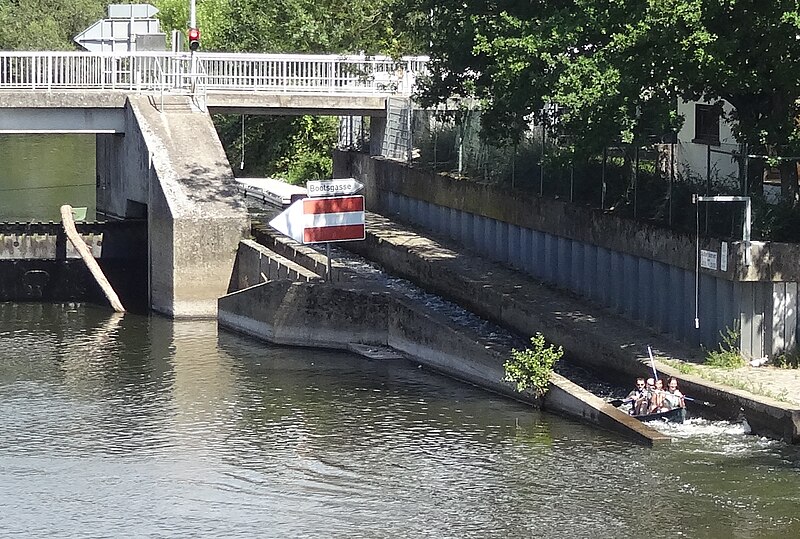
{"x": 530, "y": 369}
{"x": 776, "y": 222}
{"x": 616, "y": 69}
{"x": 728, "y": 356}
{"x": 46, "y": 24}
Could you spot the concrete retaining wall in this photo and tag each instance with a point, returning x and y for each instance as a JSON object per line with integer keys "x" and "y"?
{"x": 256, "y": 264}
{"x": 642, "y": 272}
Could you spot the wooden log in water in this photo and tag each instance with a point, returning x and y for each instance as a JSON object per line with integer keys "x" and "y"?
{"x": 86, "y": 254}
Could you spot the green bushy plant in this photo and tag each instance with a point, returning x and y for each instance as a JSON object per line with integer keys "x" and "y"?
{"x": 530, "y": 369}
{"x": 728, "y": 355}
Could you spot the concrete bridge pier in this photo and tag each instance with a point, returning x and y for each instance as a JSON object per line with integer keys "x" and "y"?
{"x": 170, "y": 167}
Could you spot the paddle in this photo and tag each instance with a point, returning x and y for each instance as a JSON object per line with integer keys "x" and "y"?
{"x": 704, "y": 403}
{"x": 619, "y": 402}
{"x": 652, "y": 363}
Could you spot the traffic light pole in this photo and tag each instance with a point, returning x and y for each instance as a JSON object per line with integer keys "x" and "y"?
{"x": 193, "y": 26}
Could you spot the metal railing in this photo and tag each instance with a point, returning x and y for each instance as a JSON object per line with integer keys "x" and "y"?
{"x": 220, "y": 72}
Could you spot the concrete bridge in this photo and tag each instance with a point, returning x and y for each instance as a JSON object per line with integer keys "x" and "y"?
{"x": 158, "y": 154}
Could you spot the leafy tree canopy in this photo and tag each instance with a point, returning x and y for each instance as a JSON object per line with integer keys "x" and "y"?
{"x": 618, "y": 67}
{"x": 46, "y": 24}
{"x": 290, "y": 26}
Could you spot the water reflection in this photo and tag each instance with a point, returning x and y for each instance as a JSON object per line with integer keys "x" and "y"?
{"x": 40, "y": 173}
{"x": 144, "y": 426}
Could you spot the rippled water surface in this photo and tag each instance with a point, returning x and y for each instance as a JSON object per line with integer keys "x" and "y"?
{"x": 145, "y": 427}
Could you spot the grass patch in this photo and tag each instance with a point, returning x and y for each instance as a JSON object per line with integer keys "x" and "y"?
{"x": 721, "y": 375}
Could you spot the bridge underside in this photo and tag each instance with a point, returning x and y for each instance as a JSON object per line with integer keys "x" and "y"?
{"x": 286, "y": 104}
{"x": 72, "y": 120}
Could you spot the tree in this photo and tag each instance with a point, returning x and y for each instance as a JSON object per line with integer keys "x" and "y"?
{"x": 46, "y": 24}
{"x": 616, "y": 69}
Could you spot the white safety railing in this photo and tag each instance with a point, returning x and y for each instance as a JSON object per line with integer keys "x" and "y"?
{"x": 219, "y": 72}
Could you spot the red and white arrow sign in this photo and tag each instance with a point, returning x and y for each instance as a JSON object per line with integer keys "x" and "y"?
{"x": 319, "y": 220}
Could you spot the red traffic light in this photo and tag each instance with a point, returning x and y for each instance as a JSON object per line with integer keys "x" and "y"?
{"x": 194, "y": 39}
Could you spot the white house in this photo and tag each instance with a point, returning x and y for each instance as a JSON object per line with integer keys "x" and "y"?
{"x": 706, "y": 145}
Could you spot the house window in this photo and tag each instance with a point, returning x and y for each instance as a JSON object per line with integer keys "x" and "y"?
{"x": 706, "y": 125}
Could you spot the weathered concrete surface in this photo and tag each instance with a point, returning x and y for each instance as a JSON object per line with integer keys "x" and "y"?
{"x": 256, "y": 264}
{"x": 266, "y": 103}
{"x": 171, "y": 167}
{"x": 589, "y": 335}
{"x": 63, "y": 99}
{"x": 340, "y": 316}
{"x": 44, "y": 246}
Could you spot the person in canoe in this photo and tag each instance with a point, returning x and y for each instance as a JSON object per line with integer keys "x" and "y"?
{"x": 658, "y": 401}
{"x": 673, "y": 397}
{"x": 639, "y": 398}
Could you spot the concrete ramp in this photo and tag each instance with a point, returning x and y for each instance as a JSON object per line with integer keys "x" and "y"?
{"x": 171, "y": 165}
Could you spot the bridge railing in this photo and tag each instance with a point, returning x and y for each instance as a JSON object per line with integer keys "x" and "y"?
{"x": 222, "y": 72}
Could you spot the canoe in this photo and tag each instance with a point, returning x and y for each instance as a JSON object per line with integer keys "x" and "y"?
{"x": 676, "y": 415}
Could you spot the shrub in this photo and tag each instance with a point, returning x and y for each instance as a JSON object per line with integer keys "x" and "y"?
{"x": 728, "y": 356}
{"x": 530, "y": 369}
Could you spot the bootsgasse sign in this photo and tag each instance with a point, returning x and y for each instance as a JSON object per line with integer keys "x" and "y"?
{"x": 338, "y": 187}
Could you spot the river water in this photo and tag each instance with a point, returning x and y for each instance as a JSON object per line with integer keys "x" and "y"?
{"x": 146, "y": 427}
{"x": 40, "y": 173}
{"x": 137, "y": 426}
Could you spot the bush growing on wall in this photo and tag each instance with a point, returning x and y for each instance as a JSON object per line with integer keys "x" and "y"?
{"x": 530, "y": 369}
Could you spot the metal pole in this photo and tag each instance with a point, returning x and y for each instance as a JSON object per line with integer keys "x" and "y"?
{"x": 603, "y": 179}
{"x": 192, "y": 14}
{"x": 671, "y": 179}
{"x": 409, "y": 125}
{"x": 541, "y": 162}
{"x": 329, "y": 273}
{"x": 708, "y": 180}
{"x": 635, "y": 182}
{"x": 697, "y": 262}
{"x": 571, "y": 181}
{"x": 746, "y": 232}
{"x": 746, "y": 171}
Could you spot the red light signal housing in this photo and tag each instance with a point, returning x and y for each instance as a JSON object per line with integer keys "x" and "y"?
{"x": 194, "y": 39}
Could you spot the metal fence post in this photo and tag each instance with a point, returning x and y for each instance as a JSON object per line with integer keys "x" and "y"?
{"x": 671, "y": 181}
{"x": 635, "y": 182}
{"x": 603, "y": 179}
{"x": 541, "y": 161}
